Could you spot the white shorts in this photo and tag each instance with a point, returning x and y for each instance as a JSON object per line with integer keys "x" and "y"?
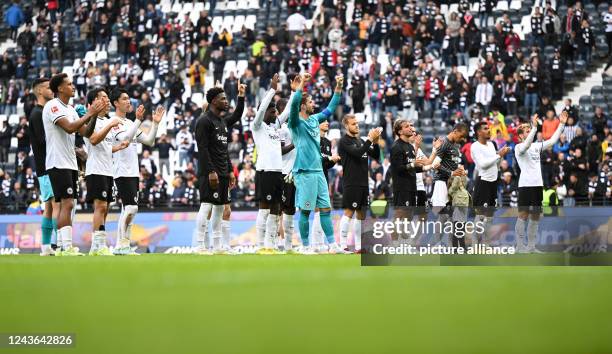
{"x": 439, "y": 198}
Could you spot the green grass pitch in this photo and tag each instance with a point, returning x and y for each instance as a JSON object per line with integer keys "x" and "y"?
{"x": 298, "y": 304}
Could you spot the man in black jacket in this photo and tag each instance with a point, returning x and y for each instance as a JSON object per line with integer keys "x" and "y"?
{"x": 215, "y": 172}
{"x": 354, "y": 154}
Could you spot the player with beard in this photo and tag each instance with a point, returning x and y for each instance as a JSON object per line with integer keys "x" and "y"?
{"x": 61, "y": 121}
{"x": 126, "y": 168}
{"x": 39, "y": 149}
{"x": 269, "y": 166}
{"x": 99, "y": 170}
{"x": 311, "y": 185}
{"x": 530, "y": 184}
{"x": 215, "y": 172}
{"x": 354, "y": 154}
{"x": 404, "y": 167}
{"x": 449, "y": 158}
{"x": 487, "y": 160}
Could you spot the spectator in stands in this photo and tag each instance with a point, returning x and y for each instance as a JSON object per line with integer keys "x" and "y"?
{"x": 586, "y": 41}
{"x": 197, "y": 74}
{"x": 56, "y": 42}
{"x": 296, "y": 23}
{"x": 164, "y": 145}
{"x": 7, "y": 69}
{"x": 184, "y": 140}
{"x": 22, "y": 133}
{"x": 11, "y": 97}
{"x": 484, "y": 93}
{"x": 14, "y": 18}
{"x": 5, "y": 141}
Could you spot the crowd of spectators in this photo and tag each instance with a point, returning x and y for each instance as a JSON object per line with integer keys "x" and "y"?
{"x": 159, "y": 57}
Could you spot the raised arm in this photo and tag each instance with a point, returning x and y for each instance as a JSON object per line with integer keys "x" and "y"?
{"x": 284, "y": 115}
{"x": 331, "y": 107}
{"x": 129, "y": 134}
{"x": 352, "y": 149}
{"x": 149, "y": 139}
{"x": 524, "y": 146}
{"x": 263, "y": 106}
{"x": 98, "y": 136}
{"x": 235, "y": 117}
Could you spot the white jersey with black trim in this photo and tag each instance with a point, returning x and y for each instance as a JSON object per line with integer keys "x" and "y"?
{"x": 125, "y": 162}
{"x": 100, "y": 156}
{"x": 60, "y": 145}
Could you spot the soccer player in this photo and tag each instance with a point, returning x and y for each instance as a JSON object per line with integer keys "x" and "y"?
{"x": 126, "y": 167}
{"x": 61, "y": 121}
{"x": 289, "y": 153}
{"x": 530, "y": 184}
{"x": 269, "y": 167}
{"x": 487, "y": 160}
{"x": 449, "y": 158}
{"x": 328, "y": 160}
{"x": 311, "y": 186}
{"x": 39, "y": 149}
{"x": 99, "y": 170}
{"x": 354, "y": 154}
{"x": 215, "y": 172}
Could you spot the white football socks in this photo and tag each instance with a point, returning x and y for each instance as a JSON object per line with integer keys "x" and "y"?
{"x": 202, "y": 225}
{"x": 260, "y": 226}
{"x": 65, "y": 234}
{"x": 532, "y": 233}
{"x": 215, "y": 221}
{"x": 271, "y": 230}
{"x": 519, "y": 229}
{"x": 288, "y": 227}
{"x": 357, "y": 233}
{"x": 225, "y": 229}
{"x": 345, "y": 223}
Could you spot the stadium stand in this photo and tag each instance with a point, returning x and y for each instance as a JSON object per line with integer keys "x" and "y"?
{"x": 420, "y": 60}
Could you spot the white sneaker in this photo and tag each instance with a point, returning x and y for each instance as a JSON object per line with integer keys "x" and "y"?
{"x": 47, "y": 251}
{"x": 334, "y": 248}
{"x": 202, "y": 251}
{"x": 306, "y": 251}
{"x": 521, "y": 248}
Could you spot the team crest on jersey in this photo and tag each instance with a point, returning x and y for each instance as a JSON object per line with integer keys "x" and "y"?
{"x": 215, "y": 195}
{"x": 69, "y": 190}
{"x": 307, "y": 204}
{"x": 103, "y": 194}
{"x": 269, "y": 197}
{"x": 54, "y": 109}
{"x": 407, "y": 203}
{"x": 354, "y": 204}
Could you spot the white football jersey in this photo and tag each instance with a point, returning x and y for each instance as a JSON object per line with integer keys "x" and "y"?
{"x": 125, "y": 162}
{"x": 268, "y": 142}
{"x": 60, "y": 145}
{"x": 288, "y": 158}
{"x": 419, "y": 176}
{"x": 100, "y": 157}
{"x": 529, "y": 162}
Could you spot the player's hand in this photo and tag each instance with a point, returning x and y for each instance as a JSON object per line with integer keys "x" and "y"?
{"x": 232, "y": 180}
{"x": 213, "y": 180}
{"x": 158, "y": 114}
{"x": 437, "y": 143}
{"x": 373, "y": 134}
{"x": 563, "y": 117}
{"x": 124, "y": 144}
{"x": 503, "y": 151}
{"x": 241, "y": 89}
{"x": 420, "y": 162}
{"x": 296, "y": 84}
{"x": 335, "y": 158}
{"x": 115, "y": 122}
{"x": 459, "y": 172}
{"x": 534, "y": 120}
{"x": 418, "y": 140}
{"x": 435, "y": 165}
{"x": 98, "y": 107}
{"x": 140, "y": 111}
{"x": 339, "y": 83}
{"x": 306, "y": 77}
{"x": 274, "y": 82}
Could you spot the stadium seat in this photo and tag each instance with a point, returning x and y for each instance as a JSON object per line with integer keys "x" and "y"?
{"x": 13, "y": 119}
{"x": 228, "y": 21}
{"x": 580, "y": 67}
{"x": 596, "y": 90}
{"x": 177, "y": 7}
{"x": 587, "y": 117}
{"x": 586, "y": 99}
{"x": 515, "y": 4}
{"x": 250, "y": 21}
{"x": 3, "y": 118}
{"x": 238, "y": 23}
{"x": 216, "y": 23}
{"x": 241, "y": 67}
{"x": 67, "y": 70}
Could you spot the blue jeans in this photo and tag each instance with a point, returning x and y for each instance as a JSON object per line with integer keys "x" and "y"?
{"x": 483, "y": 19}
{"x": 392, "y": 109}
{"x": 531, "y": 102}
{"x": 463, "y": 59}
{"x": 41, "y": 55}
